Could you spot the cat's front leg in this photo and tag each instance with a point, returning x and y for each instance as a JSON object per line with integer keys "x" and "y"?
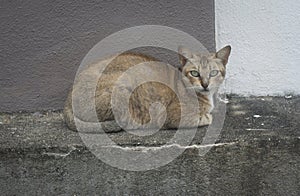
{"x": 205, "y": 119}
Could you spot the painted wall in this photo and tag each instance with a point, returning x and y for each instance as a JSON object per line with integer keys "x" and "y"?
{"x": 43, "y": 42}
{"x": 265, "y": 41}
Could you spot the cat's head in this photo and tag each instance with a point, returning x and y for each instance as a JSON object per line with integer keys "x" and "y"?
{"x": 205, "y": 72}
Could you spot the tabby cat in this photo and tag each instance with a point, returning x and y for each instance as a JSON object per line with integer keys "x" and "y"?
{"x": 204, "y": 72}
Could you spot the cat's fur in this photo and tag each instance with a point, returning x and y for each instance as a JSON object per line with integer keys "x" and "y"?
{"x": 205, "y": 85}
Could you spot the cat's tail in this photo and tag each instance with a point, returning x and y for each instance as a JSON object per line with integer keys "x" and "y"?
{"x": 68, "y": 113}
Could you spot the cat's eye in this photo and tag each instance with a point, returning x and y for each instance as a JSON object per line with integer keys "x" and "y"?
{"x": 213, "y": 73}
{"x": 194, "y": 73}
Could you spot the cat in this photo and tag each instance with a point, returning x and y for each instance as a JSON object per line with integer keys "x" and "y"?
{"x": 204, "y": 72}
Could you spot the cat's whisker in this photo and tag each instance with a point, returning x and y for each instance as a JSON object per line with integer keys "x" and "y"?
{"x": 191, "y": 87}
{"x": 196, "y": 88}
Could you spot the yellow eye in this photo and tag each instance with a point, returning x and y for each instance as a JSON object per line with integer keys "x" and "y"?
{"x": 213, "y": 73}
{"x": 194, "y": 73}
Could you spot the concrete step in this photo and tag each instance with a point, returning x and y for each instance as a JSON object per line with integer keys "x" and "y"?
{"x": 256, "y": 153}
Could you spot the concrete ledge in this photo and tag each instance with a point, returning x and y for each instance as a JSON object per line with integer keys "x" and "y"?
{"x": 257, "y": 152}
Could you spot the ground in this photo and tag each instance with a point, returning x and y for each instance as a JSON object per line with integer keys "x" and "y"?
{"x": 256, "y": 153}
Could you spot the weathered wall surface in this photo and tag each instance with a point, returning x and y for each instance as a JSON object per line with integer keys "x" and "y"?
{"x": 43, "y": 42}
{"x": 265, "y": 45}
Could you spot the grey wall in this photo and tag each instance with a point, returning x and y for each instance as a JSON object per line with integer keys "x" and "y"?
{"x": 43, "y": 42}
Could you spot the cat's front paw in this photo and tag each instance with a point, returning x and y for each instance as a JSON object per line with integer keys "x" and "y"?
{"x": 205, "y": 120}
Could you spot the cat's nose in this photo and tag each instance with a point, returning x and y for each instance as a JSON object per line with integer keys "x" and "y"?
{"x": 204, "y": 85}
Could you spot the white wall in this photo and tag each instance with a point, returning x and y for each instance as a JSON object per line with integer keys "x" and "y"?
{"x": 265, "y": 40}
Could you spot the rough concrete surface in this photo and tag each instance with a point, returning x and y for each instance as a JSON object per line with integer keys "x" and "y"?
{"x": 257, "y": 153}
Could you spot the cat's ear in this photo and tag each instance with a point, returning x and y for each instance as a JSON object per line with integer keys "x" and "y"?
{"x": 223, "y": 54}
{"x": 184, "y": 55}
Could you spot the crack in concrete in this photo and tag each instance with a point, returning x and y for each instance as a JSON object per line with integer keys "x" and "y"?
{"x": 62, "y": 155}
{"x": 145, "y": 148}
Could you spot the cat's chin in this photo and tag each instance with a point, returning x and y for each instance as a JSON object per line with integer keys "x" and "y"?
{"x": 203, "y": 92}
